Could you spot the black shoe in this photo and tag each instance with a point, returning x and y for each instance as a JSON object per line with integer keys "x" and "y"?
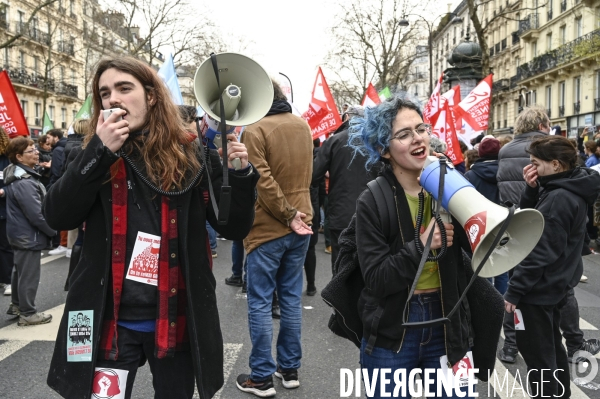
{"x": 591, "y": 346}
{"x": 13, "y": 310}
{"x": 311, "y": 290}
{"x": 244, "y": 288}
{"x": 234, "y": 280}
{"x": 289, "y": 378}
{"x": 508, "y": 355}
{"x": 276, "y": 312}
{"x": 263, "y": 389}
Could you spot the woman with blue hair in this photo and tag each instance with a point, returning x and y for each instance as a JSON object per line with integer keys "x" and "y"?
{"x": 394, "y": 132}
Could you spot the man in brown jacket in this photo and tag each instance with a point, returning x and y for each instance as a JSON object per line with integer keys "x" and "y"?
{"x": 280, "y": 147}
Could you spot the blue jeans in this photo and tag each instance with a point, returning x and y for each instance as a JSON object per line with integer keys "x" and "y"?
{"x": 237, "y": 257}
{"x": 421, "y": 348}
{"x": 275, "y": 264}
{"x": 500, "y": 282}
{"x": 212, "y": 236}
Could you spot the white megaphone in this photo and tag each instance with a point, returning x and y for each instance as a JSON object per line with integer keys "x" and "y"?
{"x": 247, "y": 95}
{"x": 482, "y": 219}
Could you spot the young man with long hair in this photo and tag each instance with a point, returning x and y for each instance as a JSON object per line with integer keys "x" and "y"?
{"x": 144, "y": 278}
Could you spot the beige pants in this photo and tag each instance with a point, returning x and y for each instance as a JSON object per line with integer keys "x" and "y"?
{"x": 71, "y": 238}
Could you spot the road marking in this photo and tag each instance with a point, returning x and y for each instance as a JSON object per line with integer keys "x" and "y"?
{"x": 42, "y": 332}
{"x": 49, "y": 259}
{"x": 584, "y": 325}
{"x": 10, "y": 347}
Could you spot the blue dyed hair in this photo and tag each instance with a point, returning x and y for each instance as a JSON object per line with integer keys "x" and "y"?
{"x": 370, "y": 135}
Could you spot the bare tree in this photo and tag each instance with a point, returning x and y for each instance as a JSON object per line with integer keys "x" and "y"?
{"x": 24, "y": 30}
{"x": 371, "y": 45}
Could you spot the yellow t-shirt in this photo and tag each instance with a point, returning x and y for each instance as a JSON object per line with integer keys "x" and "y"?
{"x": 430, "y": 277}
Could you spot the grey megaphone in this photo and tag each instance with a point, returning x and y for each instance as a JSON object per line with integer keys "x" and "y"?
{"x": 482, "y": 219}
{"x": 247, "y": 89}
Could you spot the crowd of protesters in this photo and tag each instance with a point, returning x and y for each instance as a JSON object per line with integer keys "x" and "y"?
{"x": 143, "y": 175}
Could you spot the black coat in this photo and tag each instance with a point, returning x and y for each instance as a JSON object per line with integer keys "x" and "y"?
{"x": 58, "y": 157}
{"x": 347, "y": 178}
{"x": 482, "y": 175}
{"x": 4, "y": 162}
{"x": 84, "y": 194}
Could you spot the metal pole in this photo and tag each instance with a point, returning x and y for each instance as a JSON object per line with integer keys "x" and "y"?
{"x": 430, "y": 44}
{"x": 291, "y": 90}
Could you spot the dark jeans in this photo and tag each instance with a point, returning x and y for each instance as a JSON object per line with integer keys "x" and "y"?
{"x": 212, "y": 236}
{"x": 237, "y": 257}
{"x": 326, "y": 222}
{"x": 541, "y": 346}
{"x": 421, "y": 348}
{"x": 172, "y": 377}
{"x": 500, "y": 282}
{"x": 591, "y": 229}
{"x": 310, "y": 263}
{"x": 6, "y": 255}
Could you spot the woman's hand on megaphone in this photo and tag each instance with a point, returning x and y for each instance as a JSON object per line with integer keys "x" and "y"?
{"x": 436, "y": 241}
{"x": 113, "y": 131}
{"x": 530, "y": 175}
{"x": 235, "y": 149}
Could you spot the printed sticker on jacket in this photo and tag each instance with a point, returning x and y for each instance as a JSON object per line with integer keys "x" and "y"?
{"x": 519, "y": 323}
{"x": 143, "y": 266}
{"x": 79, "y": 335}
{"x": 109, "y": 383}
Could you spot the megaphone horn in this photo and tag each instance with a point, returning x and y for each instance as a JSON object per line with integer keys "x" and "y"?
{"x": 482, "y": 219}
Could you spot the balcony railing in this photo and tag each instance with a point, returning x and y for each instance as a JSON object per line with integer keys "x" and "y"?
{"x": 582, "y": 46}
{"x": 549, "y": 112}
{"x": 596, "y": 104}
{"x": 66, "y": 89}
{"x": 576, "y": 107}
{"x": 513, "y": 81}
{"x": 561, "y": 111}
{"x": 65, "y": 47}
{"x": 563, "y": 6}
{"x": 501, "y": 84}
{"x": 19, "y": 76}
{"x": 531, "y": 22}
{"x": 503, "y": 44}
{"x": 491, "y": 51}
{"x": 515, "y": 38}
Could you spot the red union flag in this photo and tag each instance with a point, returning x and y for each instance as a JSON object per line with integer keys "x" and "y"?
{"x": 322, "y": 115}
{"x": 431, "y": 110}
{"x": 11, "y": 114}
{"x": 453, "y": 97}
{"x": 444, "y": 130}
{"x": 475, "y": 109}
{"x": 371, "y": 97}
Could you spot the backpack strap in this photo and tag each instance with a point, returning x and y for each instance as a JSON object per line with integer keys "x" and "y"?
{"x": 386, "y": 207}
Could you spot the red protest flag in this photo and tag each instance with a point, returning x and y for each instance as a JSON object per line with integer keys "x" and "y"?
{"x": 11, "y": 115}
{"x": 371, "y": 97}
{"x": 453, "y": 97}
{"x": 475, "y": 109}
{"x": 431, "y": 110}
{"x": 444, "y": 130}
{"x": 322, "y": 115}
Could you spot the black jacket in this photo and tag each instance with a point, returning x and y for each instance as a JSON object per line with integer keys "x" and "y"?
{"x": 555, "y": 265}
{"x": 26, "y": 227}
{"x": 4, "y": 162}
{"x": 482, "y": 175}
{"x": 84, "y": 194}
{"x": 347, "y": 178}
{"x": 389, "y": 273}
{"x": 58, "y": 158}
{"x": 73, "y": 141}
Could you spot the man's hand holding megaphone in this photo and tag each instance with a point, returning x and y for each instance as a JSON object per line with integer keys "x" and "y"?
{"x": 235, "y": 149}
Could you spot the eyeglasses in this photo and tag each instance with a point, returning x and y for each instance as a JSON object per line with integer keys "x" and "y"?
{"x": 31, "y": 151}
{"x": 406, "y": 136}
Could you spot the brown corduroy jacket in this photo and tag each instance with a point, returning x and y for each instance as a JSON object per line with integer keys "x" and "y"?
{"x": 280, "y": 147}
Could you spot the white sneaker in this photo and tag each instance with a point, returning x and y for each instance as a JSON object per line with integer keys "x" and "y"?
{"x": 58, "y": 251}
{"x": 8, "y": 290}
{"x": 68, "y": 254}
{"x": 583, "y": 279}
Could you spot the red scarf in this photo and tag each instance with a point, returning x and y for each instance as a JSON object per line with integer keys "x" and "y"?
{"x": 171, "y": 331}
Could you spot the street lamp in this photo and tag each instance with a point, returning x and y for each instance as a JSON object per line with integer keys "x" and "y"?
{"x": 456, "y": 20}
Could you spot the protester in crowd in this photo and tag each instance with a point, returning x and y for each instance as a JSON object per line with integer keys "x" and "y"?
{"x": 347, "y": 178}
{"x": 470, "y": 157}
{"x": 532, "y": 122}
{"x": 310, "y": 263}
{"x": 45, "y": 165}
{"x": 590, "y": 151}
{"x": 27, "y": 230}
{"x": 140, "y": 186}
{"x": 539, "y": 284}
{"x": 6, "y": 252}
{"x": 58, "y": 142}
{"x": 505, "y": 139}
{"x": 394, "y": 132}
{"x": 280, "y": 146}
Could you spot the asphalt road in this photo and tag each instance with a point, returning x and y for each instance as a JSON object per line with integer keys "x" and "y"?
{"x": 25, "y": 351}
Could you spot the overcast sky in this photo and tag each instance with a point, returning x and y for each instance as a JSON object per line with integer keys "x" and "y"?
{"x": 288, "y": 37}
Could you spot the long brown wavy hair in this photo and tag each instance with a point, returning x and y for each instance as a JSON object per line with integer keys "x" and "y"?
{"x": 4, "y": 140}
{"x": 167, "y": 152}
